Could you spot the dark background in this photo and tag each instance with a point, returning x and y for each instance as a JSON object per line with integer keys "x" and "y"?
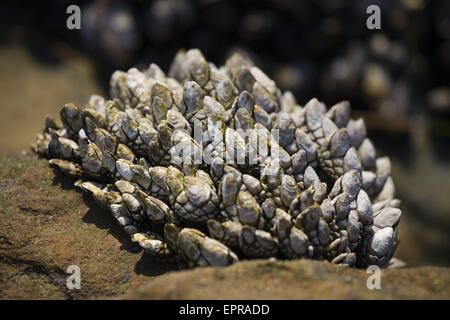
{"x": 397, "y": 78}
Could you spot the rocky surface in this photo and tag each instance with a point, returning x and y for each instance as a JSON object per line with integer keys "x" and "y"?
{"x": 46, "y": 226}
{"x": 297, "y": 279}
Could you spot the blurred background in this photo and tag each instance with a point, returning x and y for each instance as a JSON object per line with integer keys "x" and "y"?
{"x": 397, "y": 78}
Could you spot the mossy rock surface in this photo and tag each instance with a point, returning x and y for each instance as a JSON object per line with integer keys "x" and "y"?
{"x": 46, "y": 225}
{"x": 298, "y": 279}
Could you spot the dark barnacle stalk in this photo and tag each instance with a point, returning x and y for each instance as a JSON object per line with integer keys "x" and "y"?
{"x": 211, "y": 165}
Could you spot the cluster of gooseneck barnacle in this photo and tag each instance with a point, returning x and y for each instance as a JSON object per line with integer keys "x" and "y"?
{"x": 210, "y": 165}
